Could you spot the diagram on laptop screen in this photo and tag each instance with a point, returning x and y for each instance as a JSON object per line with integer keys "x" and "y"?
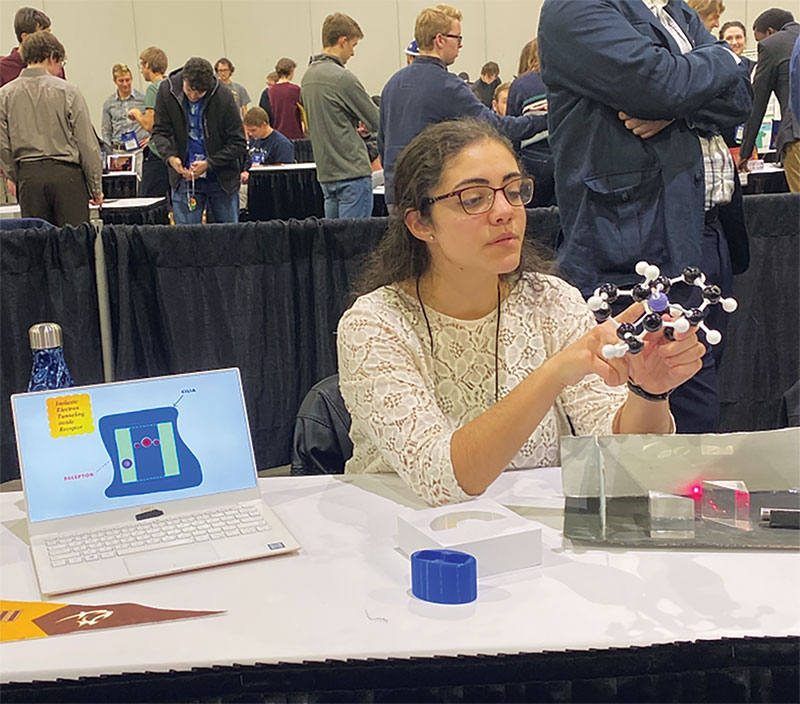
{"x": 147, "y": 452}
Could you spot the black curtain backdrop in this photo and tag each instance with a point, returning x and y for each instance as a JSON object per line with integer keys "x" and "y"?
{"x": 266, "y": 297}
{"x": 46, "y": 275}
{"x": 762, "y": 355}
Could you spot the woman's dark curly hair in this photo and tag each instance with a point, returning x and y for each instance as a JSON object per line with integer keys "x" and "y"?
{"x": 402, "y": 257}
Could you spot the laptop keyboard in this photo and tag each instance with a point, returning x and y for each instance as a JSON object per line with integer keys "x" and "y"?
{"x": 122, "y": 540}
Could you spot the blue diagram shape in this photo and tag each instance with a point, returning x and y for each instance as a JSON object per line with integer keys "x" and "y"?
{"x": 148, "y": 453}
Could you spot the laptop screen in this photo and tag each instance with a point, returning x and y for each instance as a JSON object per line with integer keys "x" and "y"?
{"x": 127, "y": 444}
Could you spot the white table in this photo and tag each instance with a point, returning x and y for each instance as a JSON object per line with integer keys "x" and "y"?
{"x": 120, "y": 205}
{"x": 346, "y": 594}
{"x": 300, "y": 166}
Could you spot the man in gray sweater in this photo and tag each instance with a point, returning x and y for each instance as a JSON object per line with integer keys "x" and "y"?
{"x": 335, "y": 102}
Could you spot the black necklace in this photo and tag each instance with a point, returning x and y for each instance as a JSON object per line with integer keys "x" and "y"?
{"x": 496, "y": 339}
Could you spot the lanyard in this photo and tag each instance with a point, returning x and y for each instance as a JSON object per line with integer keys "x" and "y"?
{"x": 191, "y": 199}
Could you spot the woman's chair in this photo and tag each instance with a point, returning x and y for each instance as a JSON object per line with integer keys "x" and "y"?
{"x": 321, "y": 442}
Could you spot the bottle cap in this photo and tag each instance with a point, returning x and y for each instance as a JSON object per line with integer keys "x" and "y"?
{"x": 44, "y": 336}
{"x": 444, "y": 576}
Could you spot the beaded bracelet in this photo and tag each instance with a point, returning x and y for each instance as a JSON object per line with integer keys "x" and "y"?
{"x": 646, "y": 395}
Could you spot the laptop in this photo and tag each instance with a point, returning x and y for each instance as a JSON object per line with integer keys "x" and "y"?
{"x": 134, "y": 479}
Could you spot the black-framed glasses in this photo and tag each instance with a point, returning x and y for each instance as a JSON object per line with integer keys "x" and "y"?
{"x": 480, "y": 199}
{"x": 457, "y": 37}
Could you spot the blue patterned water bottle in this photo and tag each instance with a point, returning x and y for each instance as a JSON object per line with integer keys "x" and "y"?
{"x": 49, "y": 369}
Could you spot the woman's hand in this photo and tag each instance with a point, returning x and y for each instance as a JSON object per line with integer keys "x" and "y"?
{"x": 664, "y": 364}
{"x": 584, "y": 356}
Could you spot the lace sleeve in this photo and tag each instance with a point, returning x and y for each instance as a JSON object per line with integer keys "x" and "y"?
{"x": 385, "y": 384}
{"x": 590, "y": 405}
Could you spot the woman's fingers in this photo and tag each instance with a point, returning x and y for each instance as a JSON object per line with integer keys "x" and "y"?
{"x": 613, "y": 372}
{"x": 680, "y": 350}
{"x": 631, "y": 314}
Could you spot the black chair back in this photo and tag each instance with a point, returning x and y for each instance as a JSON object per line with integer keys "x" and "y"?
{"x": 321, "y": 442}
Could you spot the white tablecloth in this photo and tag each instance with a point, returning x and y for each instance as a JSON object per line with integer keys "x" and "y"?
{"x": 346, "y": 594}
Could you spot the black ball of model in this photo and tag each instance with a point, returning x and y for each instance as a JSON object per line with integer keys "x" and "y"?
{"x": 640, "y": 293}
{"x": 691, "y": 274}
{"x": 626, "y": 330}
{"x": 652, "y": 322}
{"x": 695, "y": 316}
{"x": 712, "y": 293}
{"x": 602, "y": 314}
{"x": 611, "y": 291}
{"x": 635, "y": 345}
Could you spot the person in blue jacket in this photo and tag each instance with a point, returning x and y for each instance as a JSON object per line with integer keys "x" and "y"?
{"x": 794, "y": 80}
{"x": 425, "y": 92}
{"x": 638, "y": 92}
{"x": 528, "y": 94}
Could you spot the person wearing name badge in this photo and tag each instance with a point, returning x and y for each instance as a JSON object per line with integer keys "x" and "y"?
{"x": 155, "y": 177}
{"x": 462, "y": 357}
{"x": 266, "y": 145}
{"x": 119, "y": 131}
{"x": 735, "y": 34}
{"x": 198, "y": 133}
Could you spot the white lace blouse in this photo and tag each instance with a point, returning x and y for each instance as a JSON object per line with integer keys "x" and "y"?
{"x": 406, "y": 403}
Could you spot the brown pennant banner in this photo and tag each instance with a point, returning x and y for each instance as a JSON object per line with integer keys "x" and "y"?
{"x": 21, "y": 620}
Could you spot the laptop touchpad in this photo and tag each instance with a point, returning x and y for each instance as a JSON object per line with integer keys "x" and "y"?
{"x": 168, "y": 559}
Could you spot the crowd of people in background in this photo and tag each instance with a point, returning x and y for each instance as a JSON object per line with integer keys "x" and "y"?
{"x": 357, "y": 138}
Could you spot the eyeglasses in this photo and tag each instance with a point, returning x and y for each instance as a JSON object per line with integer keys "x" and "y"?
{"x": 457, "y": 37}
{"x": 480, "y": 199}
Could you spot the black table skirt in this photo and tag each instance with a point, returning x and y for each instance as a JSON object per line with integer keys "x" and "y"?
{"x": 157, "y": 214}
{"x": 759, "y": 182}
{"x": 303, "y": 150}
{"x": 727, "y": 670}
{"x": 281, "y": 195}
{"x": 120, "y": 186}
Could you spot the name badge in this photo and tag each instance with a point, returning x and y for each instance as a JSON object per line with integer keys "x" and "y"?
{"x": 196, "y": 157}
{"x": 130, "y": 141}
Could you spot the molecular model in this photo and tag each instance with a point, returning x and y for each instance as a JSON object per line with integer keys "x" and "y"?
{"x": 652, "y": 293}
